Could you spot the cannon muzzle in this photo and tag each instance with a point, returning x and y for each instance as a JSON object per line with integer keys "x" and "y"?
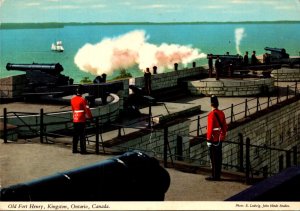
{"x": 48, "y": 68}
{"x": 133, "y": 176}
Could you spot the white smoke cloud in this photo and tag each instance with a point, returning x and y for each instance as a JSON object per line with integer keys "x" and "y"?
{"x": 132, "y": 49}
{"x": 239, "y": 35}
{"x": 1, "y": 2}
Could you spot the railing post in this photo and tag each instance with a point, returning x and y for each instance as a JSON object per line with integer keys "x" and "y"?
{"x": 247, "y": 160}
{"x": 287, "y": 92}
{"x": 295, "y": 155}
{"x": 288, "y": 159}
{"x": 265, "y": 171}
{"x": 257, "y": 103}
{"x": 231, "y": 115}
{"x": 166, "y": 147}
{"x": 179, "y": 148}
{"x": 119, "y": 131}
{"x": 97, "y": 135}
{"x": 150, "y": 115}
{"x": 246, "y": 107}
{"x": 241, "y": 146}
{"x": 198, "y": 125}
{"x": 268, "y": 101}
{"x": 280, "y": 164}
{"x": 42, "y": 125}
{"x": 296, "y": 87}
{"x": 277, "y": 95}
{"x": 5, "y": 125}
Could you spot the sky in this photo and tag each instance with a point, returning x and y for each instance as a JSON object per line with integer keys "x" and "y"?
{"x": 15, "y": 11}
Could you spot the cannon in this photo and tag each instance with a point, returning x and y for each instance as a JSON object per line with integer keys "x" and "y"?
{"x": 46, "y": 81}
{"x": 48, "y": 68}
{"x": 279, "y": 56}
{"x": 41, "y": 75}
{"x": 133, "y": 176}
{"x": 277, "y": 53}
{"x": 138, "y": 98}
{"x": 229, "y": 59}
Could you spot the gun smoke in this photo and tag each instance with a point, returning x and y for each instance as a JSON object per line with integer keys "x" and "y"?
{"x": 239, "y": 34}
{"x": 132, "y": 49}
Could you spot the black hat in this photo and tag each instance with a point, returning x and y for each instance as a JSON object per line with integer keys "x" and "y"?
{"x": 79, "y": 90}
{"x": 214, "y": 101}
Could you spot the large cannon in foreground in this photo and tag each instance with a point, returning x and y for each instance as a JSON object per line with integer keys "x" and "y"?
{"x": 46, "y": 80}
{"x": 46, "y": 75}
{"x": 132, "y": 176}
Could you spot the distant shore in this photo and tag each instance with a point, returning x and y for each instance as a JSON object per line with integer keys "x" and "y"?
{"x": 61, "y": 24}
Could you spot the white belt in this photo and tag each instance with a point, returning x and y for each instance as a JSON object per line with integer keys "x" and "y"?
{"x": 216, "y": 128}
{"x": 79, "y": 111}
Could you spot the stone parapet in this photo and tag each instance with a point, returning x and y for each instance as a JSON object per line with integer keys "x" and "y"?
{"x": 231, "y": 87}
{"x": 286, "y": 74}
{"x": 166, "y": 80}
{"x": 12, "y": 86}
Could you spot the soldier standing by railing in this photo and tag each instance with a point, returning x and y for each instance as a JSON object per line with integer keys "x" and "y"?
{"x": 81, "y": 112}
{"x": 216, "y": 132}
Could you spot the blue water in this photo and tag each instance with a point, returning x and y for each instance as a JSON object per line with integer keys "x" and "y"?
{"x": 33, "y": 45}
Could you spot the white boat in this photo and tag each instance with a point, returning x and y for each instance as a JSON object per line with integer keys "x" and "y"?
{"x": 57, "y": 46}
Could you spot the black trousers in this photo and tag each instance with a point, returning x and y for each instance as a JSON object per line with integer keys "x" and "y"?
{"x": 79, "y": 134}
{"x": 215, "y": 154}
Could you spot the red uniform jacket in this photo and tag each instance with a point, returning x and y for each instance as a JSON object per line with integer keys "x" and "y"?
{"x": 80, "y": 109}
{"x": 214, "y": 130}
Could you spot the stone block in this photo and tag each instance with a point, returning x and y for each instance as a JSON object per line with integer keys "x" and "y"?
{"x": 215, "y": 84}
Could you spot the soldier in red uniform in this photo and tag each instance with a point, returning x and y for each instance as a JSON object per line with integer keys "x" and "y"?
{"x": 216, "y": 132}
{"x": 81, "y": 112}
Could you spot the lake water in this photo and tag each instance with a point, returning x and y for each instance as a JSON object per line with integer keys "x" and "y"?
{"x": 33, "y": 45}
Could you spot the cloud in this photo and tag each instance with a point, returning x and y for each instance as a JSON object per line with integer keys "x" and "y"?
{"x": 153, "y": 6}
{"x": 255, "y": 2}
{"x": 214, "y": 7}
{"x": 65, "y": 7}
{"x": 98, "y": 6}
{"x": 34, "y": 4}
{"x": 285, "y": 8}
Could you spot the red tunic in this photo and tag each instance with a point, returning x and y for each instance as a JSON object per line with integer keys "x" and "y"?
{"x": 80, "y": 109}
{"x": 214, "y": 130}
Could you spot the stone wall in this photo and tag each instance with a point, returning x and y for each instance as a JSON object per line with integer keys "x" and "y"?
{"x": 169, "y": 79}
{"x": 231, "y": 87}
{"x": 12, "y": 86}
{"x": 286, "y": 74}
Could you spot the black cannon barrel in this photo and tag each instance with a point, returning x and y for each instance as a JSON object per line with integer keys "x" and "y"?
{"x": 279, "y": 50}
{"x": 225, "y": 56}
{"x": 133, "y": 176}
{"x": 54, "y": 68}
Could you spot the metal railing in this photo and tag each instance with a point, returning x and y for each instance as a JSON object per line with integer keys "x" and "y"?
{"x": 245, "y": 109}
